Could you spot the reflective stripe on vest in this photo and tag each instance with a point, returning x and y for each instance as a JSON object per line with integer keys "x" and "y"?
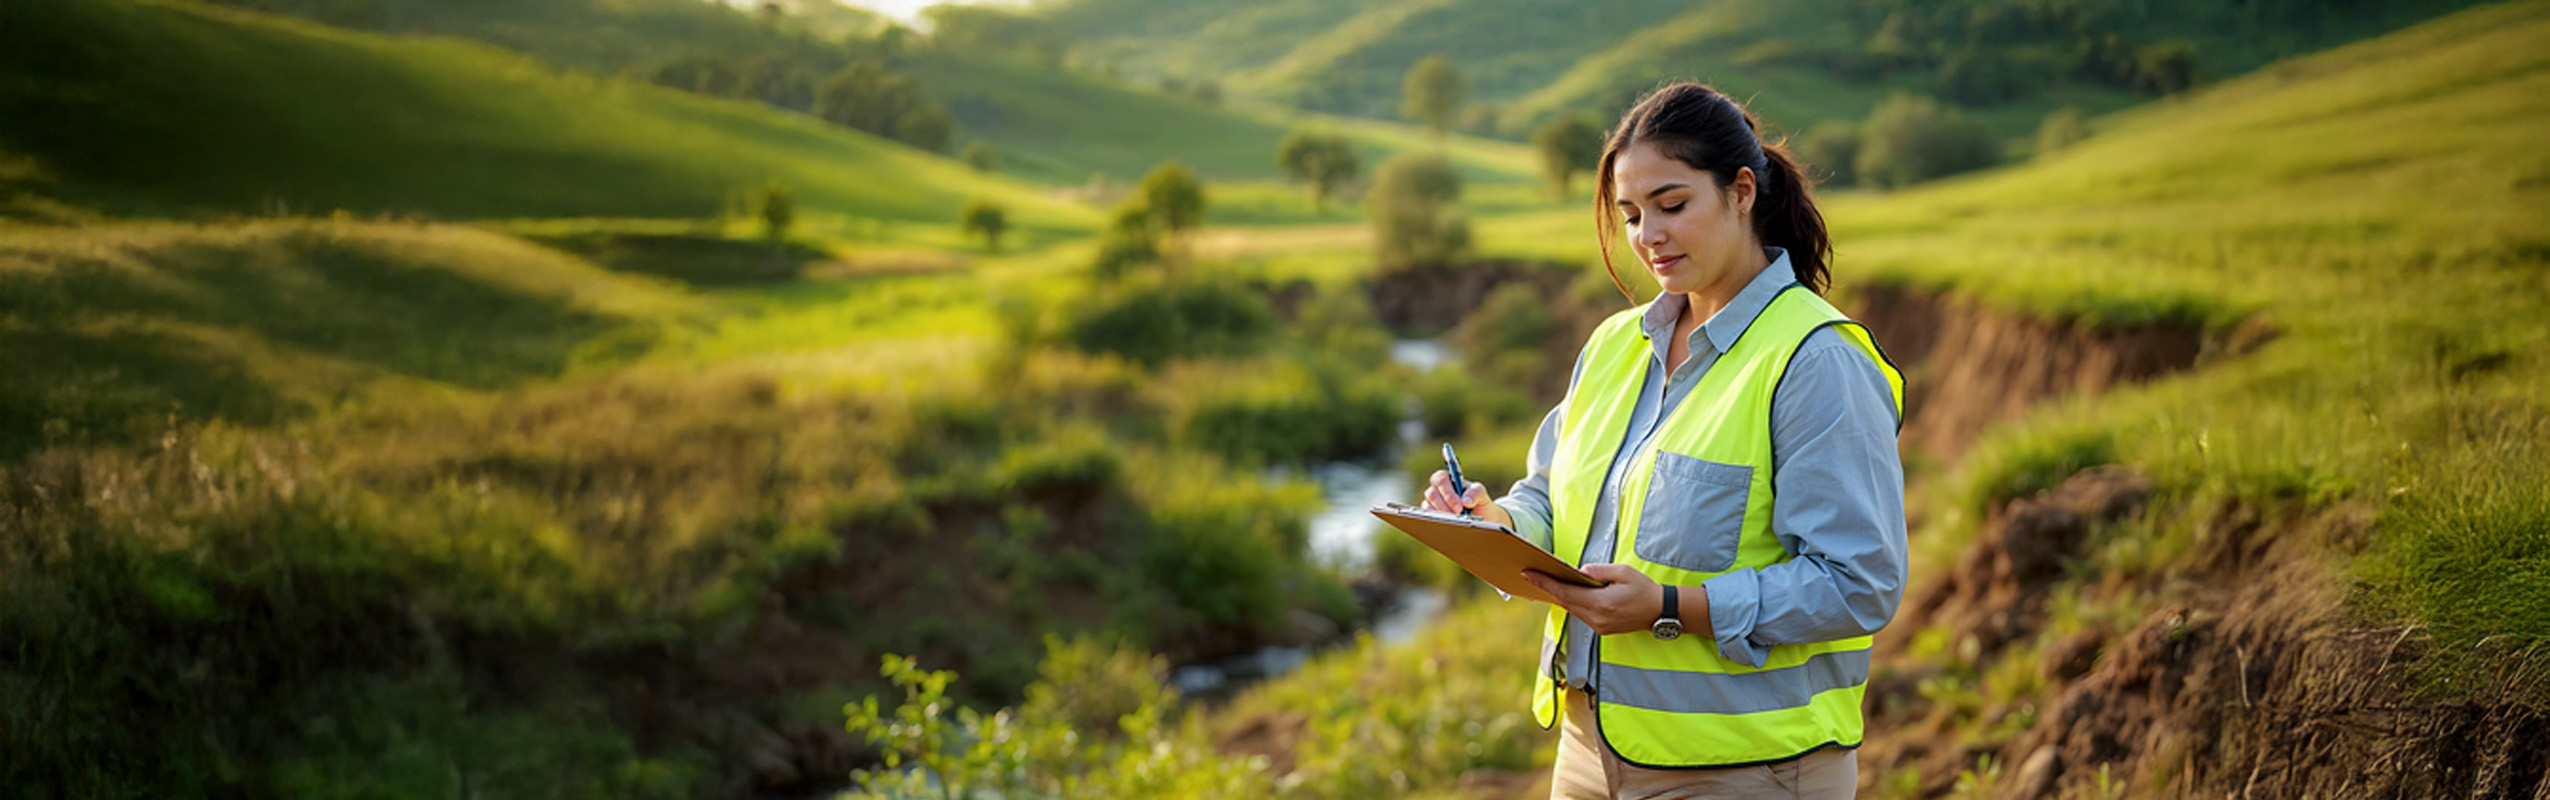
{"x": 1680, "y": 703}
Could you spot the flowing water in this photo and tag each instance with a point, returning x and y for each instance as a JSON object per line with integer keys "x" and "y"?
{"x": 1341, "y": 538}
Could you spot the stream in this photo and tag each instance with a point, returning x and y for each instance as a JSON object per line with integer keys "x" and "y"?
{"x": 1341, "y": 539}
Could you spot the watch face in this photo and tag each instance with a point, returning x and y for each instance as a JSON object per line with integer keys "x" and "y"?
{"x": 1667, "y": 629}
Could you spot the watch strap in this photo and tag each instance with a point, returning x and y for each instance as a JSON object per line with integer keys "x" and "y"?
{"x": 1673, "y": 604}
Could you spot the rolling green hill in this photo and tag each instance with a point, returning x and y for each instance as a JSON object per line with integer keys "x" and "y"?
{"x": 1355, "y": 67}
{"x": 177, "y": 108}
{"x": 113, "y": 333}
{"x": 1061, "y": 126}
{"x": 1348, "y": 57}
{"x": 1049, "y": 125}
{"x": 598, "y": 36}
{"x": 1812, "y": 60}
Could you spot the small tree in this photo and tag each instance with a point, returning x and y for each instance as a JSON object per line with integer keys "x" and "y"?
{"x": 1412, "y": 223}
{"x": 1828, "y": 150}
{"x": 927, "y": 127}
{"x": 1174, "y": 196}
{"x": 1568, "y": 144}
{"x": 775, "y": 205}
{"x": 1432, "y": 93}
{"x": 985, "y": 218}
{"x": 2166, "y": 68}
{"x": 1910, "y": 139}
{"x": 980, "y": 155}
{"x": 1323, "y": 160}
{"x": 703, "y": 74}
{"x": 866, "y": 96}
{"x": 1981, "y": 76}
{"x": 2063, "y": 128}
{"x": 1130, "y": 239}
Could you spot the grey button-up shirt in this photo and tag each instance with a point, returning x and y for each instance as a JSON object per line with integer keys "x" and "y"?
{"x": 1838, "y": 488}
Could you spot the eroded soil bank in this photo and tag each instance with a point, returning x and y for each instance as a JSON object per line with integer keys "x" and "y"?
{"x": 2247, "y": 677}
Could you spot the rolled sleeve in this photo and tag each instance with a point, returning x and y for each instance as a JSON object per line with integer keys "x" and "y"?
{"x": 1837, "y": 507}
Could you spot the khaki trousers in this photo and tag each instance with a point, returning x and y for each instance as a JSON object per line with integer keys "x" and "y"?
{"x": 1589, "y": 770}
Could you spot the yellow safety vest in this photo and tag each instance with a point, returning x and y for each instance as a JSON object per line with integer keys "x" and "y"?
{"x": 1679, "y": 704}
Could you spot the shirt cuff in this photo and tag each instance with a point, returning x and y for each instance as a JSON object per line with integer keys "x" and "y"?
{"x": 1530, "y": 523}
{"x": 1735, "y": 603}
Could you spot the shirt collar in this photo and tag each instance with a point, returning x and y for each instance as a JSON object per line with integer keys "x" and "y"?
{"x": 1729, "y": 323}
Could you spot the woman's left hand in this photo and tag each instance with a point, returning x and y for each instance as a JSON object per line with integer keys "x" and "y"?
{"x": 1631, "y": 602}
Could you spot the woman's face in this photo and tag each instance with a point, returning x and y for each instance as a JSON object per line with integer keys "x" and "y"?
{"x": 1692, "y": 235}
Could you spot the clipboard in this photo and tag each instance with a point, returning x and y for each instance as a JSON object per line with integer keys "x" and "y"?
{"x": 1488, "y": 550}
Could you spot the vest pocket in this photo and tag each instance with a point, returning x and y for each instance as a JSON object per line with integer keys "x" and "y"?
{"x": 1694, "y": 514}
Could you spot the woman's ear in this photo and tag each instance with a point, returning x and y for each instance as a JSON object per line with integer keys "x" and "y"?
{"x": 1742, "y": 190}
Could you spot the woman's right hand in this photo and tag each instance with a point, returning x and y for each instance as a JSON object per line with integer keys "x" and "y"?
{"x": 1440, "y": 498}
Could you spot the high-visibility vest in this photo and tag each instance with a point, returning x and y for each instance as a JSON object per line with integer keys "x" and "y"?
{"x": 1679, "y": 704}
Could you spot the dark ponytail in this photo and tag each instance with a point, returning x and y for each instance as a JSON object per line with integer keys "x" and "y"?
{"x": 1703, "y": 127}
{"x": 1784, "y": 215}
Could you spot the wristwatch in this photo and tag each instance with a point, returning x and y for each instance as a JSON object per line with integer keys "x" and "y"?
{"x": 1669, "y": 624}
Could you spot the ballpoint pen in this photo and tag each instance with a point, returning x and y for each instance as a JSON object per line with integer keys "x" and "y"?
{"x": 1459, "y": 489}
{"x": 1452, "y": 465}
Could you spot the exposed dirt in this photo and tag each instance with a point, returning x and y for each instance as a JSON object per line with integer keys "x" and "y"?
{"x": 1428, "y": 300}
{"x": 1966, "y": 366}
{"x": 2254, "y": 682}
{"x": 1997, "y": 592}
{"x": 2249, "y": 680}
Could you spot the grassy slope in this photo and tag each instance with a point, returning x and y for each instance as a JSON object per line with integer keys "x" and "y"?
{"x": 1060, "y": 126}
{"x": 222, "y": 111}
{"x": 2381, "y": 204}
{"x": 597, "y": 36}
{"x": 1503, "y": 47}
{"x": 108, "y": 328}
{"x": 1530, "y": 61}
{"x": 1155, "y": 38}
{"x": 1727, "y": 43}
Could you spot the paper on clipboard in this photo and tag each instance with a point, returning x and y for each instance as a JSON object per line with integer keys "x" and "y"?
{"x": 1488, "y": 550}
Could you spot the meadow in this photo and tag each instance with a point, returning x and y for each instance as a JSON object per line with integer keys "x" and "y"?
{"x": 397, "y": 415}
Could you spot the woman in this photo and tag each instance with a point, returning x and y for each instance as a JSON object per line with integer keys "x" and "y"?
{"x": 1725, "y": 460}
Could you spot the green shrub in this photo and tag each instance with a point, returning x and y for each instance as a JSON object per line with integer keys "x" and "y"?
{"x": 1174, "y": 196}
{"x": 2166, "y": 67}
{"x": 1568, "y": 144}
{"x": 1324, "y": 161}
{"x": 1432, "y": 93}
{"x": 1504, "y": 339}
{"x": 1412, "y": 221}
{"x": 1259, "y": 412}
{"x": 980, "y": 155}
{"x": 1910, "y": 139}
{"x": 984, "y": 218}
{"x": 2024, "y": 463}
{"x": 2063, "y": 128}
{"x": 1075, "y": 465}
{"x": 1828, "y": 151}
{"x": 1982, "y": 77}
{"x": 1220, "y": 564}
{"x": 1338, "y": 325}
{"x": 1131, "y": 239}
{"x": 1452, "y": 403}
{"x": 1150, "y": 322}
